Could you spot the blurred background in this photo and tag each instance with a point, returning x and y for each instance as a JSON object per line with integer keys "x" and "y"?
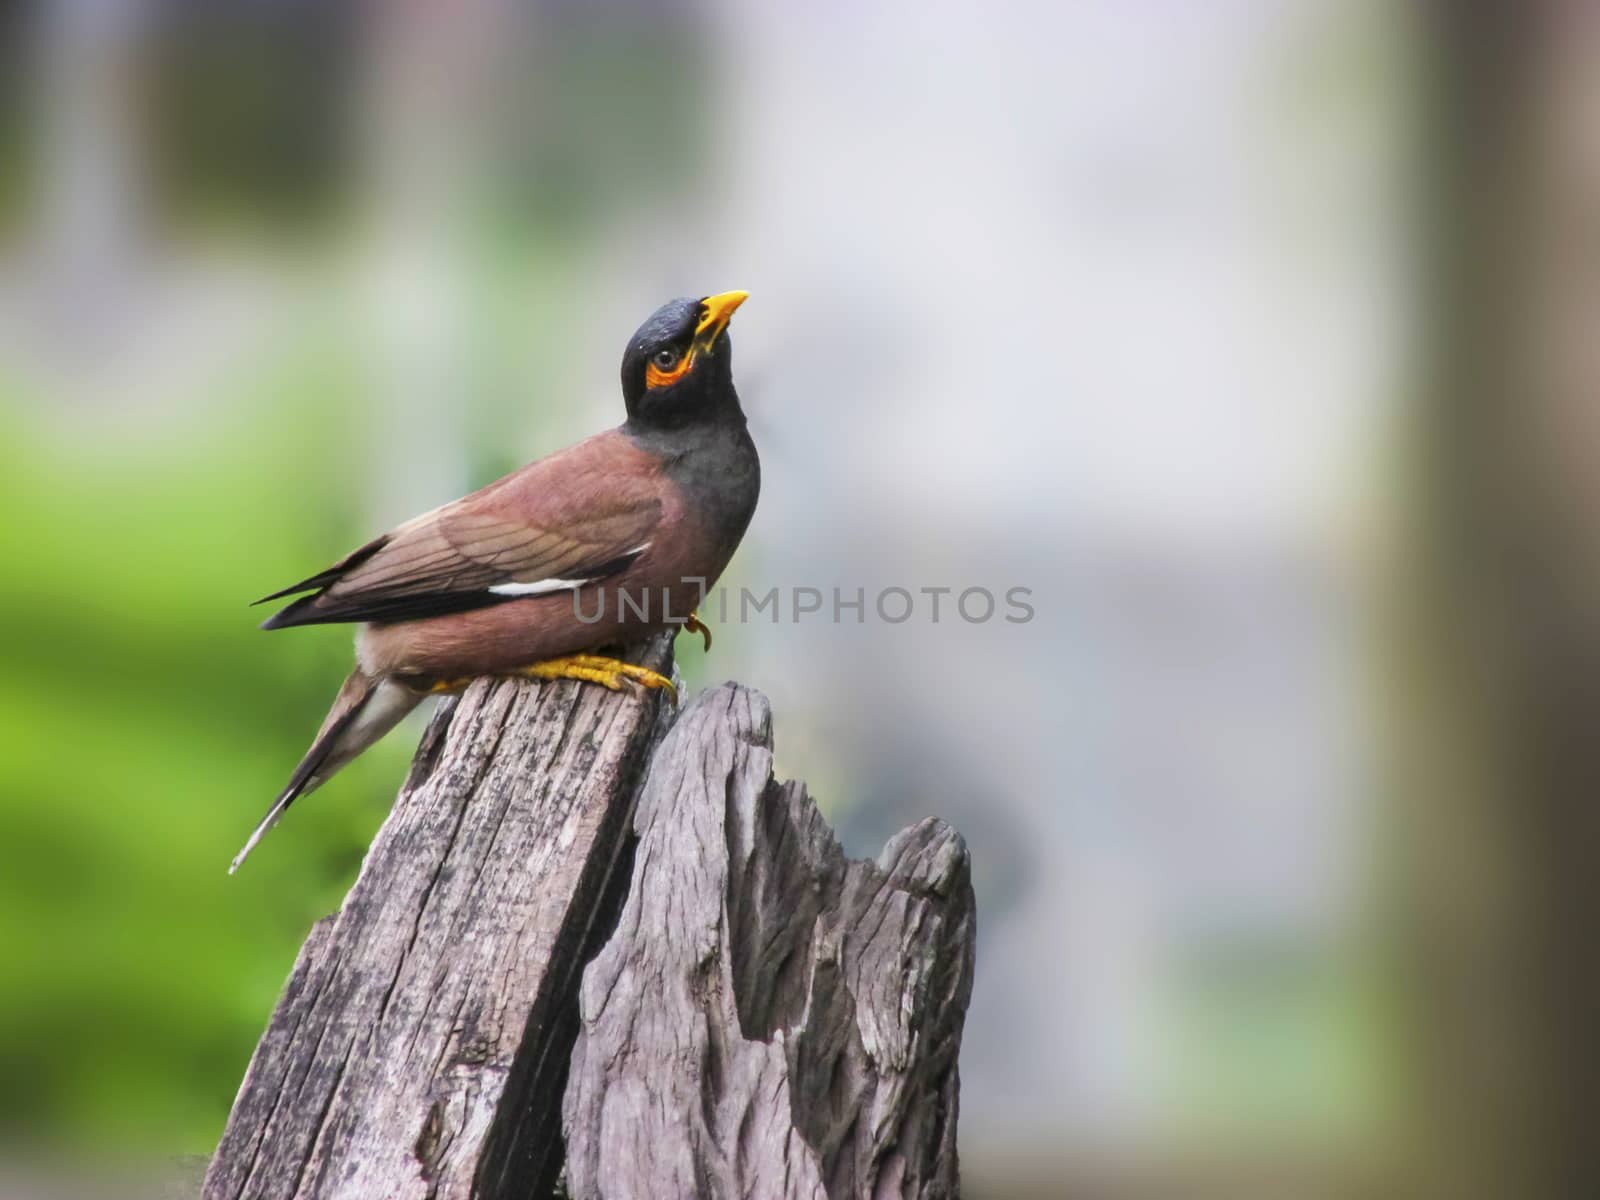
{"x": 1256, "y": 337}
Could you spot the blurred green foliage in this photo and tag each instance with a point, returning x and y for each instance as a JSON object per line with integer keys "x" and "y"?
{"x": 144, "y": 725}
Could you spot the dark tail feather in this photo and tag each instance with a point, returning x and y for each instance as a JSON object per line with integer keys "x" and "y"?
{"x": 364, "y": 710}
{"x": 323, "y": 578}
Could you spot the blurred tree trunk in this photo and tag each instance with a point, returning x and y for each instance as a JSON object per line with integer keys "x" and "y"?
{"x": 91, "y": 189}
{"x": 429, "y": 77}
{"x": 1501, "y": 869}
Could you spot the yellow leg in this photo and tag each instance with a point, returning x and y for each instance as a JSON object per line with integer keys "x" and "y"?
{"x": 695, "y": 625}
{"x": 444, "y": 687}
{"x": 608, "y": 672}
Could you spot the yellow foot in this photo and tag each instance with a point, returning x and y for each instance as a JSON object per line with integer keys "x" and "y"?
{"x": 608, "y": 672}
{"x": 695, "y": 625}
{"x": 444, "y": 687}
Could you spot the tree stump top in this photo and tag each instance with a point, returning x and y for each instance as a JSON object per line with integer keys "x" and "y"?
{"x": 571, "y": 919}
{"x": 770, "y": 1018}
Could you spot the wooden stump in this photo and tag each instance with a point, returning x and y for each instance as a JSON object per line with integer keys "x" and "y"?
{"x": 767, "y": 1018}
{"x": 770, "y": 1019}
{"x": 420, "y": 1046}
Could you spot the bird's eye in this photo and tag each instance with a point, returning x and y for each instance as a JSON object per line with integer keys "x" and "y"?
{"x": 665, "y": 359}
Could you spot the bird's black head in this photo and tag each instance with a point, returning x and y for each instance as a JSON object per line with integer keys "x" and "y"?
{"x": 678, "y": 369}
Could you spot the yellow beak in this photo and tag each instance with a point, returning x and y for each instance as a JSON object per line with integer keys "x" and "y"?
{"x": 718, "y": 310}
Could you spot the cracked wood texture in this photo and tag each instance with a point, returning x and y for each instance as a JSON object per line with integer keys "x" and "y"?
{"x": 420, "y": 1046}
{"x": 766, "y": 1018}
{"x": 769, "y": 1018}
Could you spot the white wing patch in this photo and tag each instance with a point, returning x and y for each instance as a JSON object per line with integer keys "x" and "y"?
{"x": 542, "y": 587}
{"x": 538, "y": 588}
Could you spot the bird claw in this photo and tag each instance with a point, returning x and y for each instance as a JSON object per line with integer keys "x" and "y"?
{"x": 693, "y": 624}
{"x": 610, "y": 673}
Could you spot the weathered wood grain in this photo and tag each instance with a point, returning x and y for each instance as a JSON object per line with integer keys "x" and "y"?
{"x": 420, "y": 1046}
{"x": 766, "y": 1018}
{"x": 769, "y": 1019}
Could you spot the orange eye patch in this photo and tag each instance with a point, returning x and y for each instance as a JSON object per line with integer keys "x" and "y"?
{"x": 655, "y": 377}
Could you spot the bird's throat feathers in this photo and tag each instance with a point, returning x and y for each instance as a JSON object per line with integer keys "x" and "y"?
{"x": 714, "y": 466}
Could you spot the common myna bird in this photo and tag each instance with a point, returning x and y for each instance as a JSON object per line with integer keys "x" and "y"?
{"x": 597, "y": 545}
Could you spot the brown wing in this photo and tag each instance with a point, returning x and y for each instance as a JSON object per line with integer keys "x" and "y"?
{"x": 572, "y": 518}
